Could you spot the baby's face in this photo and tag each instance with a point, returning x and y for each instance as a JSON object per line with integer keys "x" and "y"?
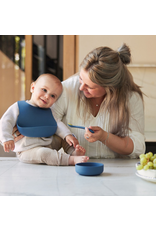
{"x": 45, "y": 92}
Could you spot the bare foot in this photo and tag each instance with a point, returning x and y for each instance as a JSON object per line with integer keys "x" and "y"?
{"x": 79, "y": 151}
{"x": 77, "y": 159}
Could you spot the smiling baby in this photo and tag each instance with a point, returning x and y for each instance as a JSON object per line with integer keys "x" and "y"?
{"x": 41, "y": 130}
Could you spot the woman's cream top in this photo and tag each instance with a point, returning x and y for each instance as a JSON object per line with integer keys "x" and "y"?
{"x": 66, "y": 110}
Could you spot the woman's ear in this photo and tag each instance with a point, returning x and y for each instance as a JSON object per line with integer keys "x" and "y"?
{"x": 32, "y": 87}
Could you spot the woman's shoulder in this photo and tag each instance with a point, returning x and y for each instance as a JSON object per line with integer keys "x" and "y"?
{"x": 135, "y": 100}
{"x": 71, "y": 81}
{"x": 135, "y": 97}
{"x": 71, "y": 86}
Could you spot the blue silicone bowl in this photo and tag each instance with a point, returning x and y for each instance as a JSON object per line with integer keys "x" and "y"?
{"x": 89, "y": 168}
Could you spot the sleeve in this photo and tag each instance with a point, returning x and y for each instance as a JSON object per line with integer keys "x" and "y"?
{"x": 7, "y": 122}
{"x": 68, "y": 97}
{"x": 139, "y": 144}
{"x": 59, "y": 108}
{"x": 137, "y": 125}
{"x": 62, "y": 130}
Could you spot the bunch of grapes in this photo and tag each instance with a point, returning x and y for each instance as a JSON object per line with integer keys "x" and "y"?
{"x": 147, "y": 161}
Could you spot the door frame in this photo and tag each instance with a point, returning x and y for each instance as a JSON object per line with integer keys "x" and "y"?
{"x": 28, "y": 65}
{"x": 70, "y": 59}
{"x": 70, "y": 55}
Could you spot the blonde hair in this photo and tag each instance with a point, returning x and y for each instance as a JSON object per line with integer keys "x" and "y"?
{"x": 107, "y": 68}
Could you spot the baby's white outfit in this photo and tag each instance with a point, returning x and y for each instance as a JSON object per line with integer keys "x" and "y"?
{"x": 35, "y": 149}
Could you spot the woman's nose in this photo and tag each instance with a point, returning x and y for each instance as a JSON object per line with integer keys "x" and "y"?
{"x": 81, "y": 87}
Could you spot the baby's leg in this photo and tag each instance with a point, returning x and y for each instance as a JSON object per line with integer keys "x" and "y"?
{"x": 79, "y": 151}
{"x": 77, "y": 159}
{"x": 53, "y": 157}
{"x": 30, "y": 156}
{"x": 44, "y": 155}
{"x": 58, "y": 142}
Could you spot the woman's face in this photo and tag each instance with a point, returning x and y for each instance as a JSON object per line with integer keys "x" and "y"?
{"x": 89, "y": 88}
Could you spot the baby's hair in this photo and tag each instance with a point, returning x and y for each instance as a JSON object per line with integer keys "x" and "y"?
{"x": 48, "y": 75}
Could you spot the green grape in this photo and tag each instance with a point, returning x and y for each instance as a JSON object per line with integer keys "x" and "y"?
{"x": 150, "y": 154}
{"x": 142, "y": 155}
{"x": 143, "y": 161}
{"x": 146, "y": 167}
{"x": 139, "y": 167}
{"x": 147, "y": 161}
{"x": 150, "y": 164}
{"x": 147, "y": 155}
{"x": 152, "y": 158}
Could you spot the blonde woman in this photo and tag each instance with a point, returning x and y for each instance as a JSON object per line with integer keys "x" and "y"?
{"x": 104, "y": 97}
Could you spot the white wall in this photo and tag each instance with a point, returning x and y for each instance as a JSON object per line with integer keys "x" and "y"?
{"x": 143, "y": 47}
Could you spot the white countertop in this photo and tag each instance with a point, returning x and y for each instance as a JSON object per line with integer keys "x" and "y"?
{"x": 118, "y": 179}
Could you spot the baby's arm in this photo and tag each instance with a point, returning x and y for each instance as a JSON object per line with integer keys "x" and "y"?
{"x": 63, "y": 132}
{"x": 7, "y": 123}
{"x": 71, "y": 140}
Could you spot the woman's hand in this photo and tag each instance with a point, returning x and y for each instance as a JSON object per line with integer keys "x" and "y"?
{"x": 16, "y": 134}
{"x": 98, "y": 135}
{"x": 121, "y": 145}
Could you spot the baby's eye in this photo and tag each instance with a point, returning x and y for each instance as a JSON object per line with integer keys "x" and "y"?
{"x": 44, "y": 90}
{"x": 53, "y": 96}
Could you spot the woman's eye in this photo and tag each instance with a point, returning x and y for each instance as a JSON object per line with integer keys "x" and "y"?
{"x": 80, "y": 80}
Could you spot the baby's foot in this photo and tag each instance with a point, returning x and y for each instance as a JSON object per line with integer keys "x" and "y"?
{"x": 79, "y": 151}
{"x": 77, "y": 159}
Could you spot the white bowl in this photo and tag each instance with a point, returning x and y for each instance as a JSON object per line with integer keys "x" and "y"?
{"x": 147, "y": 173}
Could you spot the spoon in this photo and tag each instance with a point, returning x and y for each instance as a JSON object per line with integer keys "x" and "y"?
{"x": 80, "y": 127}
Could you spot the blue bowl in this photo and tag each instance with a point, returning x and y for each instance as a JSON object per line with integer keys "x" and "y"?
{"x": 89, "y": 168}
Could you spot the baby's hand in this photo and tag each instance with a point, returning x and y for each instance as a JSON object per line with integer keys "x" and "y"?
{"x": 71, "y": 140}
{"x": 8, "y": 145}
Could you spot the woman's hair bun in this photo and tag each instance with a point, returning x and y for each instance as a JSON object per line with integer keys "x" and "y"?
{"x": 125, "y": 54}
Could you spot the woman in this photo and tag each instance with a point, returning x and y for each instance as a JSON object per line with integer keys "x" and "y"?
{"x": 104, "y": 97}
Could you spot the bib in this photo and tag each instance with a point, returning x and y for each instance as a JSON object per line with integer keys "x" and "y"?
{"x": 34, "y": 121}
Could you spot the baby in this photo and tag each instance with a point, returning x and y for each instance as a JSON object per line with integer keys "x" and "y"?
{"x": 35, "y": 120}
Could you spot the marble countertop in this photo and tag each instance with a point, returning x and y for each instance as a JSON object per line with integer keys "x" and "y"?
{"x": 118, "y": 179}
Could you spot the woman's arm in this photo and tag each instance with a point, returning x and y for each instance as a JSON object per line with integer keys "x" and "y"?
{"x": 16, "y": 134}
{"x": 121, "y": 145}
{"x": 132, "y": 145}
